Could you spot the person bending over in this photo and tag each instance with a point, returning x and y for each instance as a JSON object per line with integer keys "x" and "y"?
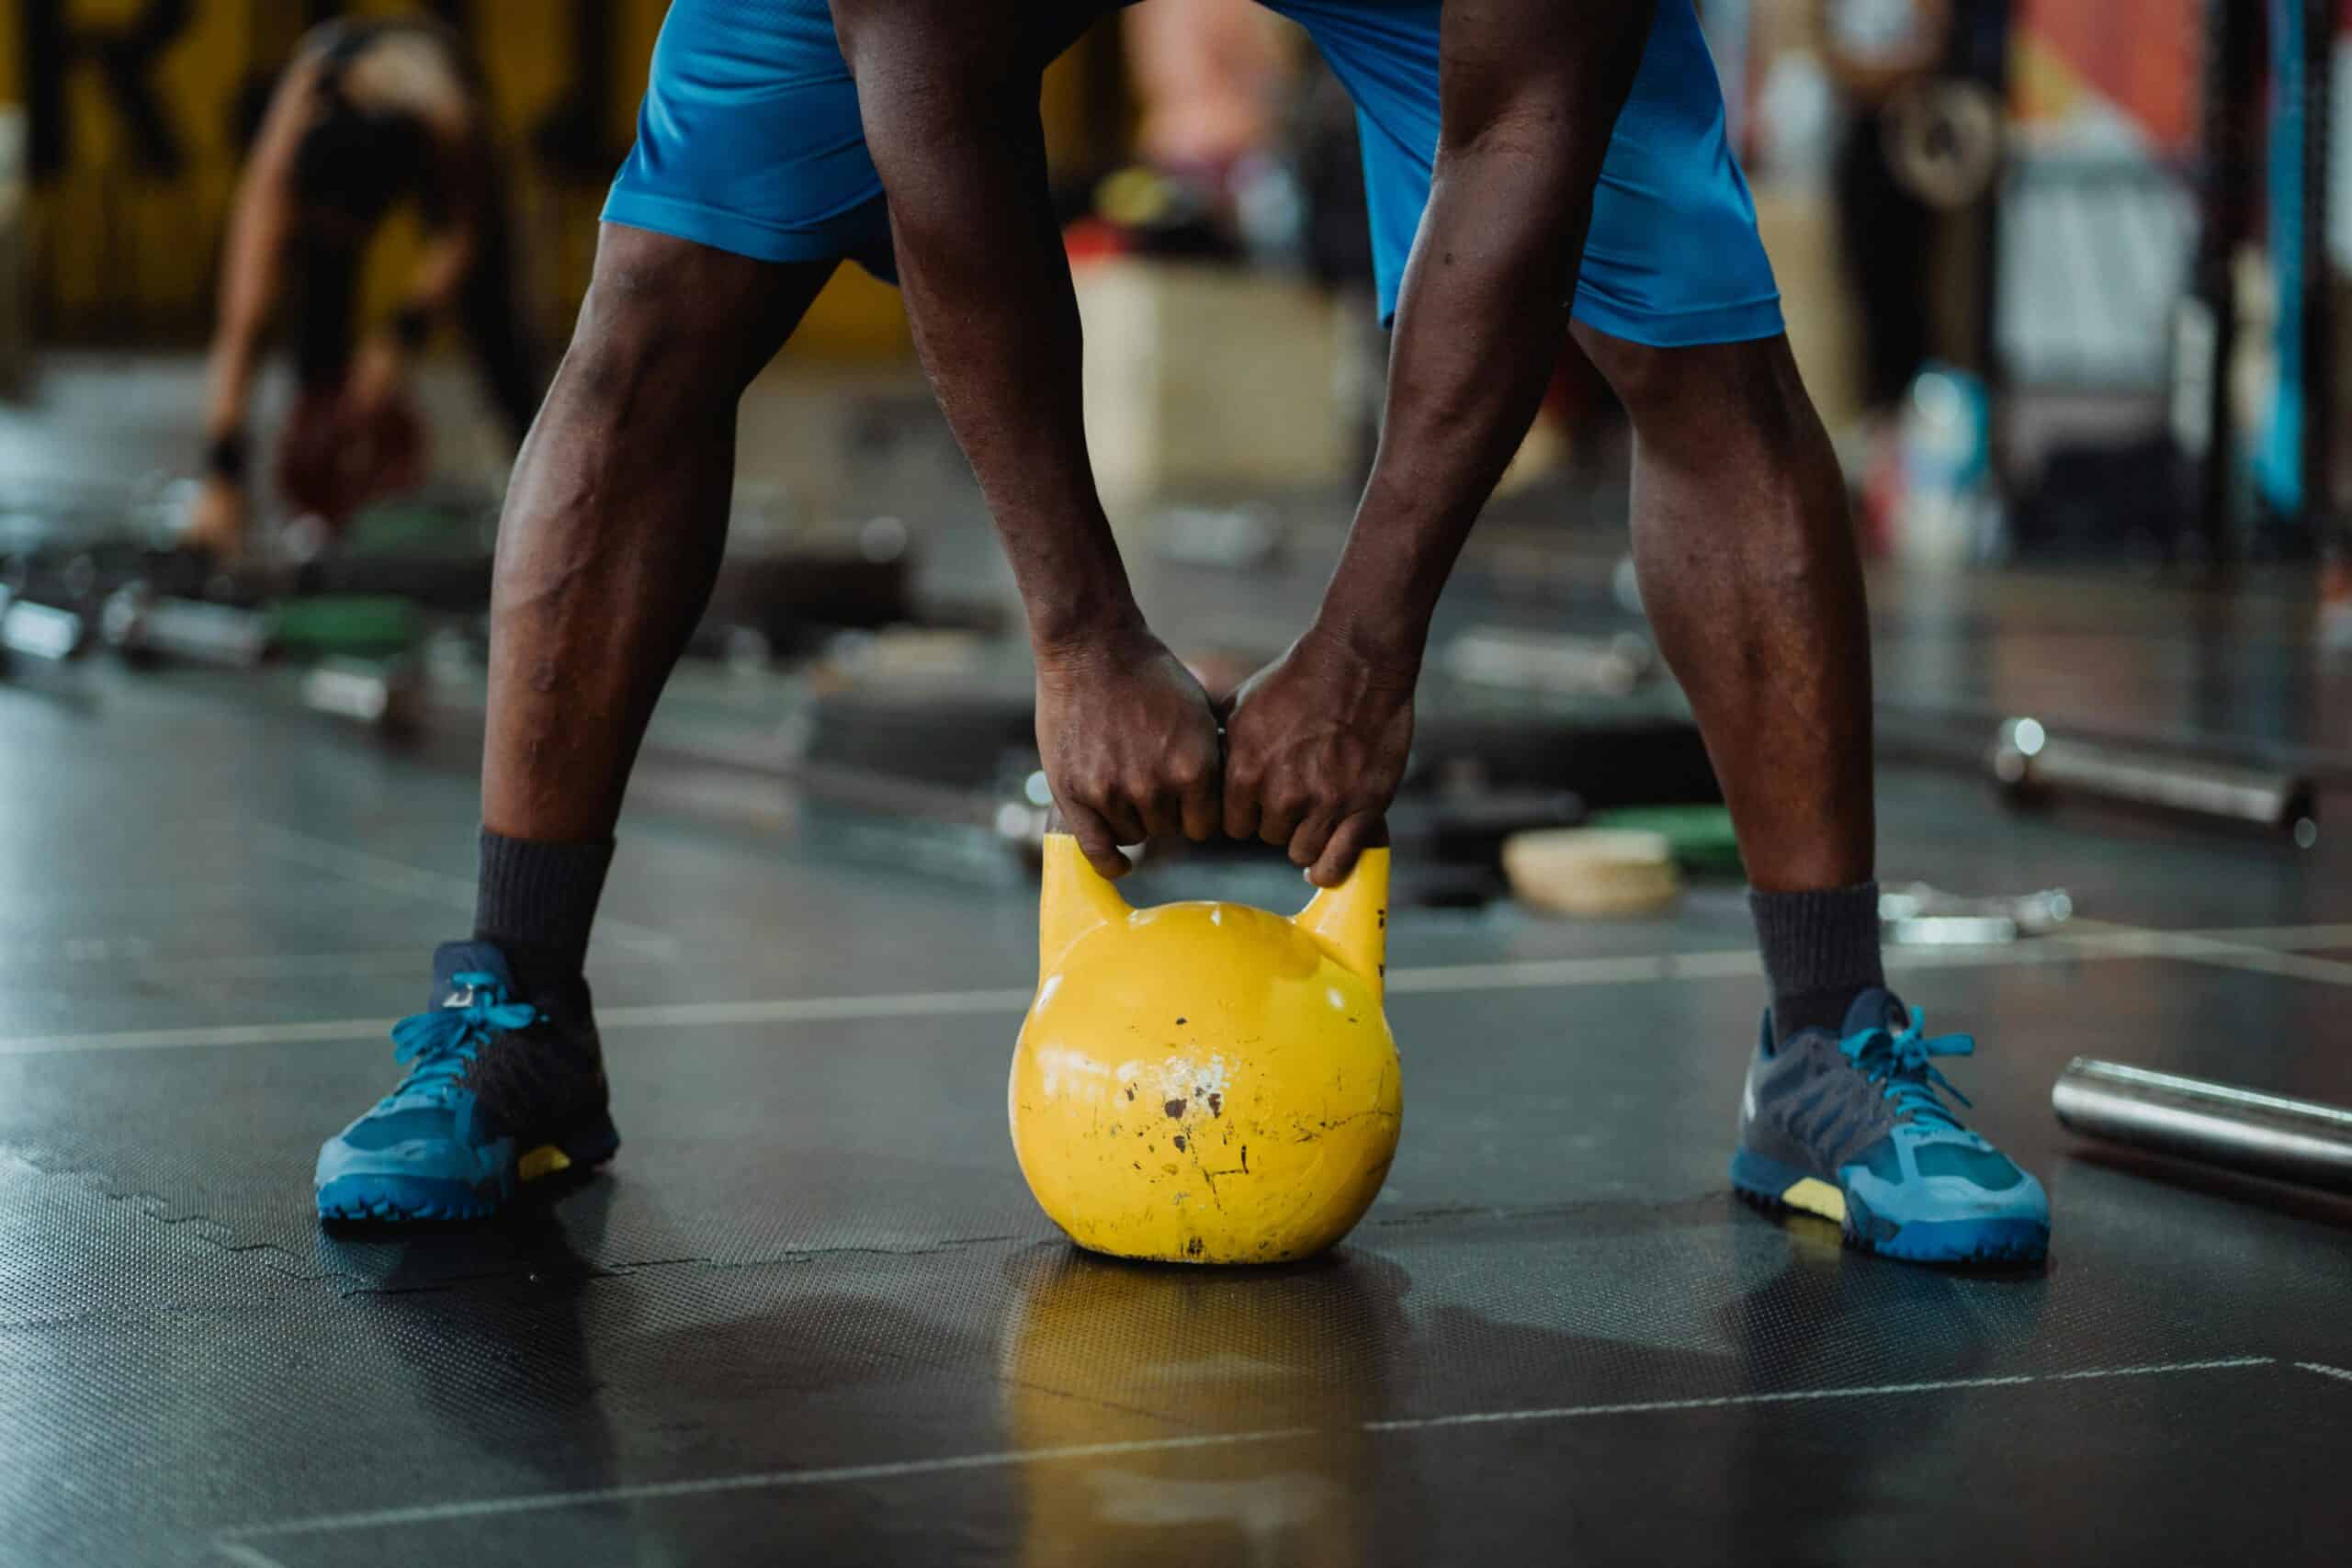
{"x": 368, "y": 114}
{"x": 1534, "y": 170}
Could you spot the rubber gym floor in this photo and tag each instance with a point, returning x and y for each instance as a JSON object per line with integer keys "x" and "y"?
{"x": 810, "y": 1314}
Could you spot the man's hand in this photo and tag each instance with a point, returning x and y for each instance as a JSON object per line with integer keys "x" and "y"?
{"x": 1130, "y": 745}
{"x": 1316, "y": 744}
{"x": 215, "y": 518}
{"x": 379, "y": 374}
{"x": 948, "y": 90}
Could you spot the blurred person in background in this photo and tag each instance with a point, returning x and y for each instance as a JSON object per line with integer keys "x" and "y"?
{"x": 1877, "y": 53}
{"x": 369, "y": 115}
{"x": 1207, "y": 73}
{"x": 1208, "y": 77}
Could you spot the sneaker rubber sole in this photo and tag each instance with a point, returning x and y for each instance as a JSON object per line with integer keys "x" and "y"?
{"x": 1780, "y": 1189}
{"x": 397, "y": 1199}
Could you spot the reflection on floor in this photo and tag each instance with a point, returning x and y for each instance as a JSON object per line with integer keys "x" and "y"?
{"x": 812, "y": 1308}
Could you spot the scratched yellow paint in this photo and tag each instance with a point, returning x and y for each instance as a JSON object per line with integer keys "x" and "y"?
{"x": 1206, "y": 1082}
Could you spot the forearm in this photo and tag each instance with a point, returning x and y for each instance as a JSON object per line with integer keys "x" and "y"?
{"x": 1479, "y": 329}
{"x": 441, "y": 268}
{"x": 988, "y": 291}
{"x": 1484, "y": 311}
{"x": 228, "y": 385}
{"x": 253, "y": 255}
{"x": 250, "y": 266}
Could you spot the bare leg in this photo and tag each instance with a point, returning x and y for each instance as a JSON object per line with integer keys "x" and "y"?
{"x": 615, "y": 521}
{"x": 1745, "y": 549}
{"x": 1745, "y": 553}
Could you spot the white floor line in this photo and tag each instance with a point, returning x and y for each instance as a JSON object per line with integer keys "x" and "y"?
{"x": 1544, "y": 974}
{"x": 610, "y": 1020}
{"x": 440, "y": 1513}
{"x": 409, "y": 881}
{"x": 245, "y": 1556}
{"x": 2339, "y": 935}
{"x": 813, "y": 1009}
{"x": 2239, "y": 954}
{"x": 283, "y": 965}
{"x": 139, "y": 957}
{"x": 1643, "y": 1407}
{"x": 2325, "y": 1371}
{"x": 357, "y": 865}
{"x": 319, "y": 1031}
{"x": 2225, "y": 948}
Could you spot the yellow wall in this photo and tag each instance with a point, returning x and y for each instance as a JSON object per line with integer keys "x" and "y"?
{"x": 123, "y": 253}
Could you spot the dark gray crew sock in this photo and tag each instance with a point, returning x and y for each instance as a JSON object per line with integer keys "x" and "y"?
{"x": 537, "y": 901}
{"x": 1820, "y": 952}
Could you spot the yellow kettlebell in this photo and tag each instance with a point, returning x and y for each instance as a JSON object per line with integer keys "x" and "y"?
{"x": 1206, "y": 1082}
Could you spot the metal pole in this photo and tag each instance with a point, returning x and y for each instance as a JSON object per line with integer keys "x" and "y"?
{"x": 2319, "y": 334}
{"x": 2206, "y": 339}
{"x": 1990, "y": 63}
{"x": 2262, "y": 1134}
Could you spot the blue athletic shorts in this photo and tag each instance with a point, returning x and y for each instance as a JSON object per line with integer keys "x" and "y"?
{"x": 749, "y": 142}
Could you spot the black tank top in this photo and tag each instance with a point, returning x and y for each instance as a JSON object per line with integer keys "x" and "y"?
{"x": 355, "y": 162}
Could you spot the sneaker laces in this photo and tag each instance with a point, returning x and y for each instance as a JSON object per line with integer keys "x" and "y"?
{"x": 1898, "y": 1063}
{"x": 444, "y": 1043}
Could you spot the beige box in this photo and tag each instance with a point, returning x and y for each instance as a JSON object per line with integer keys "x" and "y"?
{"x": 1800, "y": 232}
{"x": 1207, "y": 380}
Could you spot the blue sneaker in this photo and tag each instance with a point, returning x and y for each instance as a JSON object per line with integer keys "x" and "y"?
{"x": 500, "y": 1093}
{"x": 1853, "y": 1130}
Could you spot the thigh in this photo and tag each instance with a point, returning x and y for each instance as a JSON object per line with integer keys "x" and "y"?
{"x": 749, "y": 140}
{"x": 324, "y": 283}
{"x": 1672, "y": 256}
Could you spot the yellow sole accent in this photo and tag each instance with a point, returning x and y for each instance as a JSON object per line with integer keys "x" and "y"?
{"x": 1816, "y": 1197}
{"x": 546, "y": 1160}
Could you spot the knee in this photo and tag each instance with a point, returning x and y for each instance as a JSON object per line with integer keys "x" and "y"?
{"x": 626, "y": 359}
{"x": 1720, "y": 396}
{"x": 1646, "y": 380}
{"x": 651, "y": 337}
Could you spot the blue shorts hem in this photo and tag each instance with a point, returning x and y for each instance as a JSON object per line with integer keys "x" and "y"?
{"x": 1745, "y": 323}
{"x": 860, "y": 234}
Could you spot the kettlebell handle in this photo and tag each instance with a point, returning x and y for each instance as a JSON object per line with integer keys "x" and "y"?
{"x": 1350, "y": 922}
{"x": 1057, "y": 823}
